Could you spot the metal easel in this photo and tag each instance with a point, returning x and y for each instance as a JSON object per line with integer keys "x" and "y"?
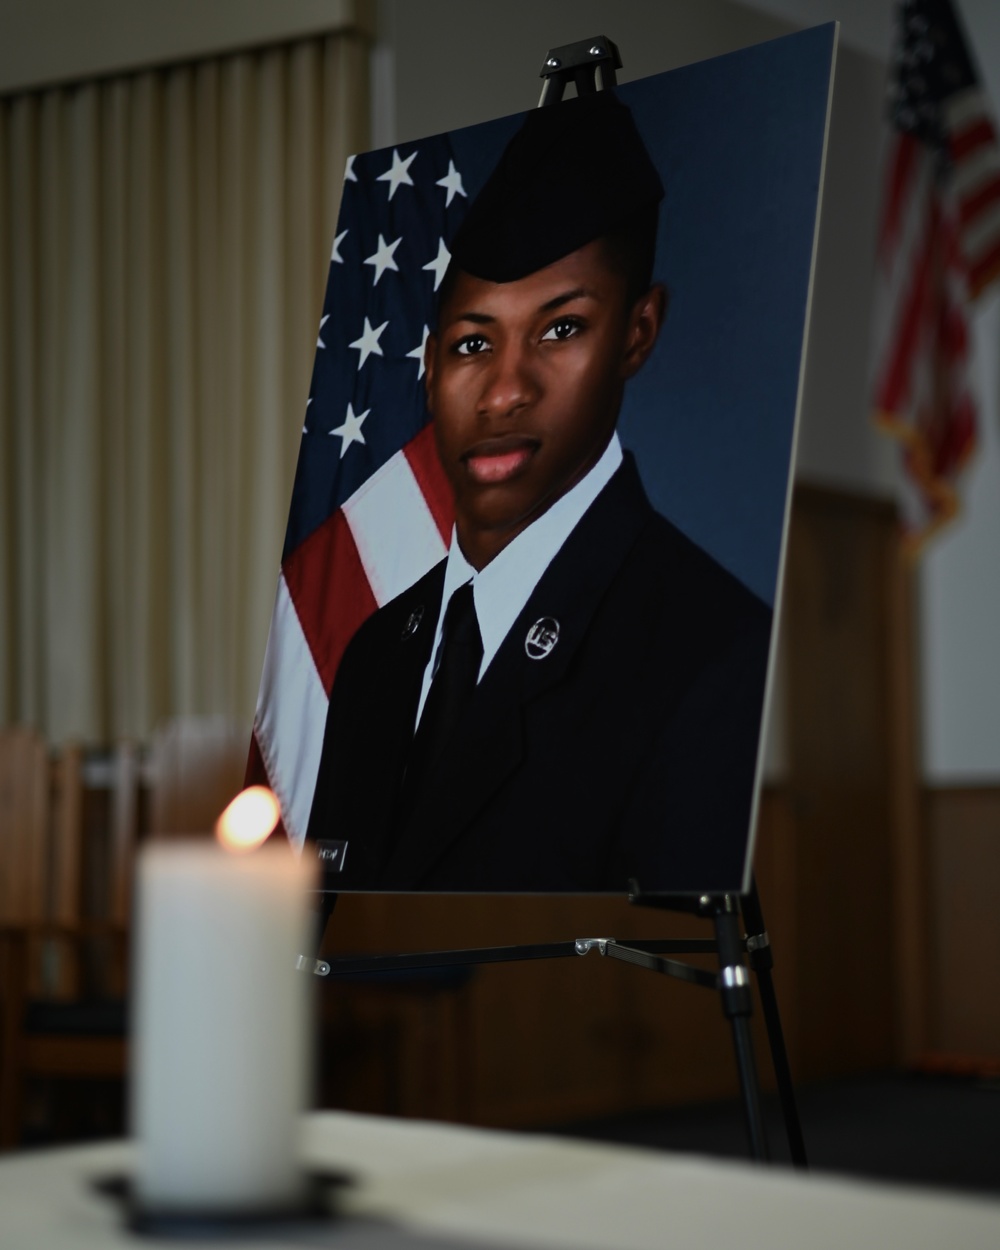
{"x": 590, "y": 65}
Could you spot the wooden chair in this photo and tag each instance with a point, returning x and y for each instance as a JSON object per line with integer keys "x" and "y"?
{"x": 24, "y": 811}
{"x": 67, "y": 825}
{"x": 196, "y": 766}
{"x": 397, "y": 1035}
{"x": 53, "y": 1022}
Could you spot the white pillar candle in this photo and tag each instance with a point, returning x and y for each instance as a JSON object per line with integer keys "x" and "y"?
{"x": 221, "y": 1029}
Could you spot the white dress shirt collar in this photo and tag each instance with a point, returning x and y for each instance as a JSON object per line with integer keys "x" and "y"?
{"x": 503, "y": 587}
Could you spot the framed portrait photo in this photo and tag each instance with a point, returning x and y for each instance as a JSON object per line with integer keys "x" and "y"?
{"x": 525, "y": 617}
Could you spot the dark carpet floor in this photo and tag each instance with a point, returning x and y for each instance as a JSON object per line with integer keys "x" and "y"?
{"x": 926, "y": 1130}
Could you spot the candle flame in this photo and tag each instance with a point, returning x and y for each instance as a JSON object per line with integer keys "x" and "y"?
{"x": 248, "y": 820}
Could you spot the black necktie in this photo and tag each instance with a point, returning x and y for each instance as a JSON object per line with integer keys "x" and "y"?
{"x": 451, "y": 690}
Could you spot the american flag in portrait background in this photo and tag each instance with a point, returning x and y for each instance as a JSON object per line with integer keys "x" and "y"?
{"x": 938, "y": 250}
{"x": 371, "y": 509}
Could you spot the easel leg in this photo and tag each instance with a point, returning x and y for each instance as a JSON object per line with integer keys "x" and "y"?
{"x": 762, "y": 961}
{"x": 734, "y": 985}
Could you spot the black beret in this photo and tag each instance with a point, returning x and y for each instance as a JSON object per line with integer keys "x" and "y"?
{"x": 574, "y": 172}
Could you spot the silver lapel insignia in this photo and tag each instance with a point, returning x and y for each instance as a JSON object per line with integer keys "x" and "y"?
{"x": 542, "y": 637}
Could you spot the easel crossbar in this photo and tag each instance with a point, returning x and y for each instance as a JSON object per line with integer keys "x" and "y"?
{"x": 422, "y": 960}
{"x": 646, "y": 954}
{"x": 657, "y": 963}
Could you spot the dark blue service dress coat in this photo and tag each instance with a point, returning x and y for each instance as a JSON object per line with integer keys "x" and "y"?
{"x": 627, "y": 751}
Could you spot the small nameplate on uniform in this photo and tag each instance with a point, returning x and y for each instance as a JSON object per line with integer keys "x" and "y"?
{"x": 332, "y": 855}
{"x": 542, "y": 637}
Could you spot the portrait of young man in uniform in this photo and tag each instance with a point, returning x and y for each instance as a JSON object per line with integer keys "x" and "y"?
{"x": 572, "y": 699}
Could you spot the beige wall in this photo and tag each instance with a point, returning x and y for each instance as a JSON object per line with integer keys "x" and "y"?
{"x": 48, "y": 41}
{"x": 453, "y": 71}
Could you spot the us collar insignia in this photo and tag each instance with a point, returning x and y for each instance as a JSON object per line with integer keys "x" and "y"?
{"x": 541, "y": 637}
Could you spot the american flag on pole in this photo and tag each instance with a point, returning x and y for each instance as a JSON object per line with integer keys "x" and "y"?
{"x": 371, "y": 509}
{"x": 938, "y": 249}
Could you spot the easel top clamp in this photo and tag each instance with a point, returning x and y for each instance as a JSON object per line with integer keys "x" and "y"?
{"x": 590, "y": 64}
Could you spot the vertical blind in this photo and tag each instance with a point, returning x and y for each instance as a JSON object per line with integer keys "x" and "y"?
{"x": 164, "y": 241}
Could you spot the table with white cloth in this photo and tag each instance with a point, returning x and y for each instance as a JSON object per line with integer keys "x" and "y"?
{"x": 420, "y": 1185}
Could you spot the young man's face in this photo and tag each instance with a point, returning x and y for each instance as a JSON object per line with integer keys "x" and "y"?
{"x": 524, "y": 382}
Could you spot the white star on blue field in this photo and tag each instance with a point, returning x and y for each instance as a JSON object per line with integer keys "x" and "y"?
{"x": 400, "y": 209}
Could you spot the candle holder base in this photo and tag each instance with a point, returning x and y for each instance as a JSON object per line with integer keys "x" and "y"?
{"x": 317, "y": 1204}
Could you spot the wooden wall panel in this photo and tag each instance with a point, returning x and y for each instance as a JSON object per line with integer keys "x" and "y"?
{"x": 963, "y": 849}
{"x": 847, "y": 623}
{"x": 553, "y": 1041}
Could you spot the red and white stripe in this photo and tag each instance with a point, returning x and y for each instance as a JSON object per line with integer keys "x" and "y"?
{"x": 975, "y": 180}
{"x": 391, "y": 531}
{"x": 939, "y": 247}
